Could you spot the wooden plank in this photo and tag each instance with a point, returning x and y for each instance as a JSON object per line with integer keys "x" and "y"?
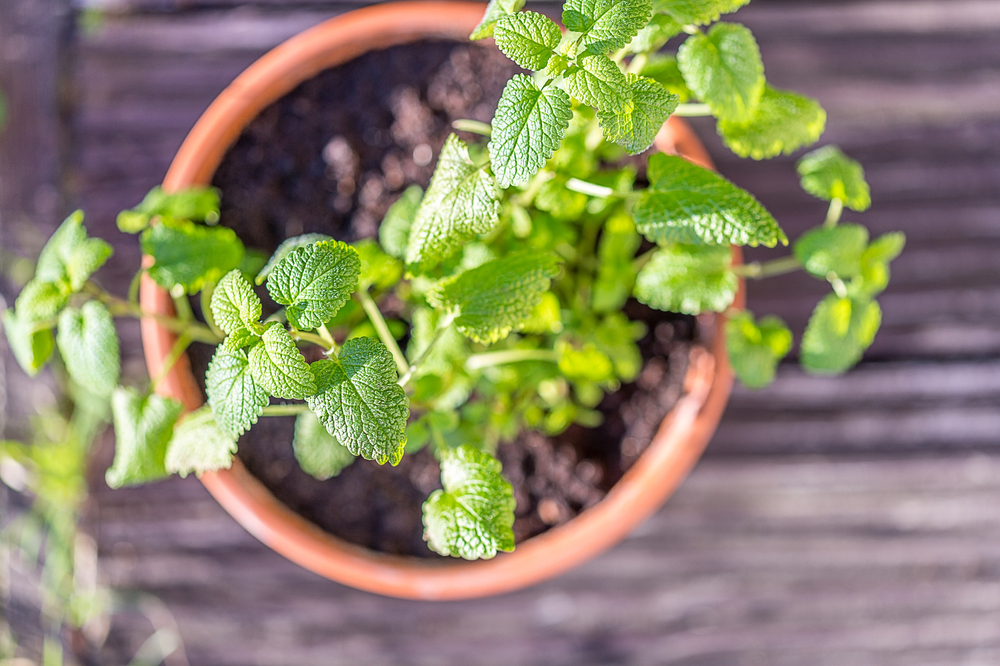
{"x": 790, "y": 561}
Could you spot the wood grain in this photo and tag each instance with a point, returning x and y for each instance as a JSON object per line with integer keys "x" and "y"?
{"x": 834, "y": 521}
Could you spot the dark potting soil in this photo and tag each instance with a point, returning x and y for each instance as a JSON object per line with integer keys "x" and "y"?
{"x": 330, "y": 157}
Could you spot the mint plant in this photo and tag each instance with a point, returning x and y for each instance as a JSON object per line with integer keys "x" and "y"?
{"x": 505, "y": 280}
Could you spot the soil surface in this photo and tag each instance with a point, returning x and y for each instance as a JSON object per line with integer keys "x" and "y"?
{"x": 330, "y": 157}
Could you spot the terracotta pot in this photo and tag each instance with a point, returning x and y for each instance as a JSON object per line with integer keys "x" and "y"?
{"x": 651, "y": 480}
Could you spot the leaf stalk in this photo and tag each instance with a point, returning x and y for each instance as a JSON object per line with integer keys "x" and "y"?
{"x": 384, "y": 334}
{"x": 490, "y": 359}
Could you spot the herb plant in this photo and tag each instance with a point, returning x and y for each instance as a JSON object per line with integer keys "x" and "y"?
{"x": 506, "y": 278}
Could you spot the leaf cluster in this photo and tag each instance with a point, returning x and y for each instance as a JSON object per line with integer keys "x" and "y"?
{"x": 493, "y": 302}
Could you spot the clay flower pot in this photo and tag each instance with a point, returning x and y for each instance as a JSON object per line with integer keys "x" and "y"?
{"x": 648, "y": 483}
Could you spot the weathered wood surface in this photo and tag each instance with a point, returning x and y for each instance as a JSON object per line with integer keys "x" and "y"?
{"x": 834, "y": 521}
{"x": 789, "y": 561}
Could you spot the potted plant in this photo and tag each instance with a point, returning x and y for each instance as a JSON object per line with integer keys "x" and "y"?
{"x": 509, "y": 281}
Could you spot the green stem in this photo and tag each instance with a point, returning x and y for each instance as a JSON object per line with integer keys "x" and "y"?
{"x": 527, "y": 196}
{"x": 473, "y": 127}
{"x": 122, "y": 308}
{"x": 285, "y": 410}
{"x": 311, "y": 337}
{"x": 692, "y": 110}
{"x": 176, "y": 351}
{"x": 378, "y": 321}
{"x": 643, "y": 259}
{"x": 182, "y": 306}
{"x": 133, "y": 288}
{"x": 490, "y": 359}
{"x": 839, "y": 287}
{"x": 206, "y": 309}
{"x": 833, "y": 213}
{"x": 590, "y": 189}
{"x": 637, "y": 64}
{"x": 757, "y": 270}
{"x": 442, "y": 327}
{"x": 324, "y": 333}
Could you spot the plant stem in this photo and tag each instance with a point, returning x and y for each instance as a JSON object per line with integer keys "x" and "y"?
{"x": 324, "y": 333}
{"x": 839, "y": 287}
{"x": 590, "y": 189}
{"x": 122, "y": 308}
{"x": 206, "y": 309}
{"x": 133, "y": 288}
{"x": 490, "y": 359}
{"x": 757, "y": 270}
{"x": 311, "y": 337}
{"x": 285, "y": 410}
{"x": 182, "y": 306}
{"x": 378, "y": 321}
{"x": 643, "y": 259}
{"x": 180, "y": 345}
{"x": 692, "y": 110}
{"x": 442, "y": 327}
{"x": 527, "y": 196}
{"x": 637, "y": 63}
{"x": 833, "y": 213}
{"x": 473, "y": 127}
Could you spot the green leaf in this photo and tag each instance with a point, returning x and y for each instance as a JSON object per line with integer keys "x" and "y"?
{"x": 359, "y": 401}
{"x": 755, "y": 348}
{"x": 394, "y": 233}
{"x": 688, "y": 278}
{"x": 836, "y": 250}
{"x": 196, "y": 204}
{"x": 838, "y": 333}
{"x": 235, "y": 397}
{"x": 378, "y": 269}
{"x": 724, "y": 69}
{"x": 783, "y": 123}
{"x": 528, "y": 125}
{"x": 545, "y": 317}
{"x": 560, "y": 202}
{"x": 200, "y": 445}
{"x": 494, "y": 11}
{"x": 32, "y": 347}
{"x": 473, "y": 516}
{"x": 143, "y": 428}
{"x": 598, "y": 82}
{"x": 615, "y": 275}
{"x": 664, "y": 70}
{"x": 314, "y": 282}
{"x": 287, "y": 247}
{"x": 616, "y": 336}
{"x": 679, "y": 13}
{"x": 189, "y": 254}
{"x": 527, "y": 38}
{"x": 655, "y": 35}
{"x": 278, "y": 367}
{"x": 873, "y": 277}
{"x": 636, "y": 128}
{"x": 606, "y": 25}
{"x": 319, "y": 453}
{"x": 828, "y": 173}
{"x": 88, "y": 343}
{"x": 461, "y": 202}
{"x": 41, "y": 300}
{"x": 688, "y": 204}
{"x": 588, "y": 363}
{"x": 449, "y": 352}
{"x": 70, "y": 256}
{"x": 236, "y": 309}
{"x": 492, "y": 300}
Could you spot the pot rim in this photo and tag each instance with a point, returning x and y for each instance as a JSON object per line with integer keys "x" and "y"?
{"x": 655, "y": 475}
